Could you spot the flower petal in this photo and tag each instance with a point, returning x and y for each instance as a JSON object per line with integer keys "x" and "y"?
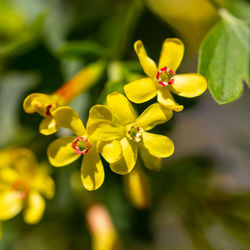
{"x": 111, "y": 150}
{"x": 10, "y": 205}
{"x": 67, "y": 117}
{"x": 92, "y": 172}
{"x": 189, "y": 85}
{"x": 99, "y": 112}
{"x": 61, "y": 153}
{"x": 158, "y": 145}
{"x": 155, "y": 114}
{"x": 37, "y": 102}
{"x": 171, "y": 53}
{"x": 48, "y": 126}
{"x": 146, "y": 62}
{"x": 166, "y": 99}
{"x": 151, "y": 162}
{"x": 35, "y": 208}
{"x": 140, "y": 90}
{"x": 138, "y": 188}
{"x": 129, "y": 157}
{"x": 102, "y": 130}
{"x": 121, "y": 107}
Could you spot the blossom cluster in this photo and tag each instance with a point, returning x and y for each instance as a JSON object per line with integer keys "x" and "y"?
{"x": 24, "y": 183}
{"x": 114, "y": 130}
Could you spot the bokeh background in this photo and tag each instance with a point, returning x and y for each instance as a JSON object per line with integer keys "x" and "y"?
{"x": 200, "y": 199}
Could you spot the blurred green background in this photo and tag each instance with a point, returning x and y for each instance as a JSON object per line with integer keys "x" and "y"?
{"x": 201, "y": 197}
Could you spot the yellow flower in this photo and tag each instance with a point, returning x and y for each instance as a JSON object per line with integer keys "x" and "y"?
{"x": 137, "y": 187}
{"x": 163, "y": 80}
{"x": 130, "y": 132}
{"x": 64, "y": 151}
{"x": 23, "y": 183}
{"x": 46, "y": 105}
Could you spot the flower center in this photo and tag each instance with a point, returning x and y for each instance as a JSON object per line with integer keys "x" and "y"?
{"x": 134, "y": 133}
{"x": 165, "y": 76}
{"x": 81, "y": 145}
{"x": 21, "y": 188}
{"x": 47, "y": 111}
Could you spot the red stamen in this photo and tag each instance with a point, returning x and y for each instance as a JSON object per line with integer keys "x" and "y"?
{"x": 79, "y": 147}
{"x": 21, "y": 188}
{"x": 47, "y": 113}
{"x": 165, "y": 76}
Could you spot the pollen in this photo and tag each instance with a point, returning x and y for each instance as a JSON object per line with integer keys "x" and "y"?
{"x": 134, "y": 133}
{"x": 165, "y": 76}
{"x": 81, "y": 145}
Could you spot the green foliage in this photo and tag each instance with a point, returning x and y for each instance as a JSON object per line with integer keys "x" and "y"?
{"x": 224, "y": 58}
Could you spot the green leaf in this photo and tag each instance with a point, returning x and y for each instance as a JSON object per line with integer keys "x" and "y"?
{"x": 224, "y": 58}
{"x": 81, "y": 49}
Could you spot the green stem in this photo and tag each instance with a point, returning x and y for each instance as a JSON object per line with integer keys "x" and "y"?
{"x": 129, "y": 25}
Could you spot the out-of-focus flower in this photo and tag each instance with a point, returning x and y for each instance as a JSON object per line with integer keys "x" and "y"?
{"x": 137, "y": 187}
{"x": 64, "y": 151}
{"x": 131, "y": 134}
{"x": 192, "y": 20}
{"x": 104, "y": 235}
{"x": 23, "y": 184}
{"x": 46, "y": 105}
{"x": 163, "y": 80}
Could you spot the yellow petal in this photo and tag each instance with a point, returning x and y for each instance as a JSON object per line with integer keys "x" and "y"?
{"x": 155, "y": 114}
{"x": 35, "y": 208}
{"x": 102, "y": 130}
{"x": 38, "y": 102}
{"x": 158, "y": 145}
{"x": 151, "y": 162}
{"x": 171, "y": 53}
{"x": 166, "y": 99}
{"x": 137, "y": 187}
{"x": 92, "y": 172}
{"x": 48, "y": 126}
{"x": 67, "y": 117}
{"x": 146, "y": 62}
{"x": 99, "y": 112}
{"x": 129, "y": 157}
{"x": 8, "y": 175}
{"x": 189, "y": 85}
{"x": 140, "y": 90}
{"x": 10, "y": 204}
{"x": 111, "y": 150}
{"x": 60, "y": 152}
{"x": 121, "y": 107}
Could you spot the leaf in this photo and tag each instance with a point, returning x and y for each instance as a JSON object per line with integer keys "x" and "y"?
{"x": 224, "y": 58}
{"x": 81, "y": 49}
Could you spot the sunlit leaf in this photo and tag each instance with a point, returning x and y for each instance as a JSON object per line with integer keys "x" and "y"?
{"x": 224, "y": 58}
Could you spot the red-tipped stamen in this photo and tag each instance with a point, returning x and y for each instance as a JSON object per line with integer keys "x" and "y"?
{"x": 165, "y": 76}
{"x": 81, "y": 145}
{"x": 21, "y": 188}
{"x": 47, "y": 112}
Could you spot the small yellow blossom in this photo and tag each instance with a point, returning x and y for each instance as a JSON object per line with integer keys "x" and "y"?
{"x": 64, "y": 151}
{"x": 137, "y": 187}
{"x": 162, "y": 80}
{"x": 130, "y": 132}
{"x": 23, "y": 183}
{"x": 46, "y": 105}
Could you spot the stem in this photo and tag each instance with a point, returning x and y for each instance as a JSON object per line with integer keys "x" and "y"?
{"x": 215, "y": 4}
{"x": 128, "y": 28}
